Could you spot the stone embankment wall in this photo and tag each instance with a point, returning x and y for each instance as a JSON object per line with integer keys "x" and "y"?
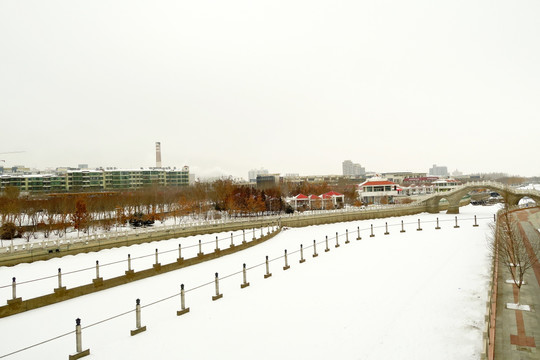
{"x": 18, "y": 305}
{"x": 55, "y": 249}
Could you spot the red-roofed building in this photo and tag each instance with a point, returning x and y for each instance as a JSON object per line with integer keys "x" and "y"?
{"x": 336, "y": 199}
{"x": 378, "y": 190}
{"x": 299, "y": 200}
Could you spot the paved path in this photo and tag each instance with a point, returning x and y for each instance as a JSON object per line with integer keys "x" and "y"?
{"x": 517, "y": 334}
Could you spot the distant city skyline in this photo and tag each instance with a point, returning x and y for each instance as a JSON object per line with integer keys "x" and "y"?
{"x": 295, "y": 86}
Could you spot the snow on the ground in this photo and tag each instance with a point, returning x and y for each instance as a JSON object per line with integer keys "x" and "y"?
{"x": 414, "y": 295}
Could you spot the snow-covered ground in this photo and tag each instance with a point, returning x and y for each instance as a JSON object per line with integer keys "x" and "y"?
{"x": 412, "y": 295}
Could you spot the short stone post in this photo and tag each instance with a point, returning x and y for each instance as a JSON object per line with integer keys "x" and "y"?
{"x": 302, "y": 254}
{"x": 347, "y": 236}
{"x": 217, "y": 245}
{"x": 60, "y": 289}
{"x": 475, "y": 223}
{"x": 402, "y": 227}
{"x": 218, "y": 295}
{"x": 358, "y": 230}
{"x": 245, "y": 283}
{"x": 157, "y": 265}
{"x": 386, "y": 228}
{"x": 372, "y": 234}
{"x": 327, "y": 248}
{"x": 180, "y": 258}
{"x": 254, "y": 238}
{"x": 78, "y": 342}
{"x": 98, "y": 281}
{"x": 262, "y": 231}
{"x": 200, "y": 253}
{"x": 243, "y": 236}
{"x": 129, "y": 271}
{"x": 268, "y": 230}
{"x": 456, "y": 226}
{"x": 268, "y": 273}
{"x": 14, "y": 299}
{"x": 437, "y": 227}
{"x": 183, "y": 310}
{"x": 286, "y": 267}
{"x": 337, "y": 240}
{"x": 419, "y": 228}
{"x": 232, "y": 241}
{"x": 138, "y": 327}
{"x": 315, "y": 249}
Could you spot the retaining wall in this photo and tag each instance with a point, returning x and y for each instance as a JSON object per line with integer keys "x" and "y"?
{"x": 18, "y": 305}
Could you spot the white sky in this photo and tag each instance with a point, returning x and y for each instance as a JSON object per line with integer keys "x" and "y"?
{"x": 292, "y": 86}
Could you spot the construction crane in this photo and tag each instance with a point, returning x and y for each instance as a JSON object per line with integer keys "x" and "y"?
{"x": 10, "y": 152}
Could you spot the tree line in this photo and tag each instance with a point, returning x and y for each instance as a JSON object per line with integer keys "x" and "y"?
{"x": 25, "y": 216}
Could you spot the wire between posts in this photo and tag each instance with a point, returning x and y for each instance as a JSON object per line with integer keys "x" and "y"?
{"x": 211, "y": 242}
{"x": 37, "y": 344}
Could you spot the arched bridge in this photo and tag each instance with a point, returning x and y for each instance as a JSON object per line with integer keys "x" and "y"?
{"x": 510, "y": 194}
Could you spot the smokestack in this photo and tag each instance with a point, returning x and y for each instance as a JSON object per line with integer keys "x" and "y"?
{"x": 158, "y": 154}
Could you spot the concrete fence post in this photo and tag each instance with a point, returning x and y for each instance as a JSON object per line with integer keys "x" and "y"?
{"x": 243, "y": 236}
{"x": 217, "y": 244}
{"x": 437, "y": 227}
{"x": 183, "y": 308}
{"x": 327, "y": 248}
{"x": 419, "y": 228}
{"x": 97, "y": 269}
{"x": 475, "y": 223}
{"x": 358, "y": 230}
{"x": 386, "y": 228}
{"x": 14, "y": 289}
{"x": 138, "y": 328}
{"x": 59, "y": 278}
{"x": 245, "y": 283}
{"x": 268, "y": 273}
{"x": 286, "y": 262}
{"x": 347, "y": 236}
{"x": 180, "y": 258}
{"x": 402, "y": 227}
{"x": 157, "y": 265}
{"x": 456, "y": 226}
{"x": 78, "y": 342}
{"x": 254, "y": 234}
{"x": 315, "y": 249}
{"x": 200, "y": 253}
{"x": 262, "y": 231}
{"x": 337, "y": 240}
{"x": 218, "y": 295}
{"x": 232, "y": 241}
{"x": 268, "y": 230}
{"x": 302, "y": 254}
{"x": 372, "y": 234}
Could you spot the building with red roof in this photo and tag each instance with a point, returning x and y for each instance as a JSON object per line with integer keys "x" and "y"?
{"x": 377, "y": 190}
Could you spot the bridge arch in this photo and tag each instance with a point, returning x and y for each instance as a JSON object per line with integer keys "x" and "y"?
{"x": 511, "y": 195}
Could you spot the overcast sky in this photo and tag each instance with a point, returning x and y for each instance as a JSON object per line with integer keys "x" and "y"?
{"x": 291, "y": 86}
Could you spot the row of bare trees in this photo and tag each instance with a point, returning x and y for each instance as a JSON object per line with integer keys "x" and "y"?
{"x": 63, "y": 212}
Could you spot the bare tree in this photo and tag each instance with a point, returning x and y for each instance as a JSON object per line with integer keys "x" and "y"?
{"x": 513, "y": 249}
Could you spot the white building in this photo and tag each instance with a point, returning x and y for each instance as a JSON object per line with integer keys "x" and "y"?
{"x": 352, "y": 169}
{"x": 378, "y": 190}
{"x": 445, "y": 185}
{"x": 438, "y": 170}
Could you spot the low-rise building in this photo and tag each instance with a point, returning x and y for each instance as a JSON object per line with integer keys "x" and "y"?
{"x": 378, "y": 190}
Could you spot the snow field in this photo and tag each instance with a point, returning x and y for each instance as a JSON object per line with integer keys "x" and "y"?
{"x": 419, "y": 294}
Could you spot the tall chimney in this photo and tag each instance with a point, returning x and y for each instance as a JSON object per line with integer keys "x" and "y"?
{"x": 158, "y": 154}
